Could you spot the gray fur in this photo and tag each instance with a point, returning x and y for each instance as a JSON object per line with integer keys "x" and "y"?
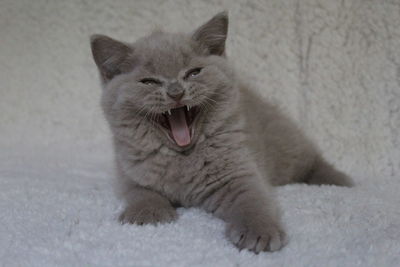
{"x": 240, "y": 145}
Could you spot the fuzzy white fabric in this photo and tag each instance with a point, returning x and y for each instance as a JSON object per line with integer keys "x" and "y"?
{"x": 333, "y": 65}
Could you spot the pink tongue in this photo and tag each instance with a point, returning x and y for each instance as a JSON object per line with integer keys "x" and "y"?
{"x": 179, "y": 127}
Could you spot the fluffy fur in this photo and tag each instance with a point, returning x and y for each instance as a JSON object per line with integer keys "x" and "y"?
{"x": 239, "y": 145}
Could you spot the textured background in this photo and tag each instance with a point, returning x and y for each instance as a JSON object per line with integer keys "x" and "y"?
{"x": 332, "y": 65}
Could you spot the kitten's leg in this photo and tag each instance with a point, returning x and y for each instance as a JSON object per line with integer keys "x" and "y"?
{"x": 252, "y": 218}
{"x": 146, "y": 206}
{"x": 324, "y": 173}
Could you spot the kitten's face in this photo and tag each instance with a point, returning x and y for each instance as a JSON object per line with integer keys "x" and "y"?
{"x": 172, "y": 82}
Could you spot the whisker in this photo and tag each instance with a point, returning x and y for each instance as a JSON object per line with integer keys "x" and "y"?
{"x": 152, "y": 117}
{"x": 208, "y": 105}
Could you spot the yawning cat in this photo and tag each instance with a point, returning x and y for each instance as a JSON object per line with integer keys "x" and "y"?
{"x": 188, "y": 133}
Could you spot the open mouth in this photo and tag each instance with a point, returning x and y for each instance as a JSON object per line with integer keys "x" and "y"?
{"x": 178, "y": 122}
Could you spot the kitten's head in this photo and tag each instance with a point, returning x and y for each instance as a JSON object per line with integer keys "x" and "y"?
{"x": 174, "y": 83}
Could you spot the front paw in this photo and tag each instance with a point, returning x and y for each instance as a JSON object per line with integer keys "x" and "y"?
{"x": 148, "y": 214}
{"x": 256, "y": 236}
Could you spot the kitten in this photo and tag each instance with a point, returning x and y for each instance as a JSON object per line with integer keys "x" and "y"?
{"x": 187, "y": 133}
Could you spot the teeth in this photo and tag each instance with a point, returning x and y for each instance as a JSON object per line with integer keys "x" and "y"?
{"x": 188, "y": 107}
{"x": 169, "y": 111}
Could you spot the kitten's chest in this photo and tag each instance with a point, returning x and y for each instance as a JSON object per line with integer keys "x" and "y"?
{"x": 173, "y": 174}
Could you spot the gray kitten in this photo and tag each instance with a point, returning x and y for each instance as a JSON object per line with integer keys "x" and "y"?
{"x": 187, "y": 133}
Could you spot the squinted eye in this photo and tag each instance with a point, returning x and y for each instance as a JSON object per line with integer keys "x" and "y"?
{"x": 192, "y": 72}
{"x": 150, "y": 81}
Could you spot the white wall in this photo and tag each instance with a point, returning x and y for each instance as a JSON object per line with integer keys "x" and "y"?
{"x": 334, "y": 65}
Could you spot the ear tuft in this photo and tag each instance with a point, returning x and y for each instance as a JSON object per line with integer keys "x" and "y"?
{"x": 212, "y": 35}
{"x": 111, "y": 56}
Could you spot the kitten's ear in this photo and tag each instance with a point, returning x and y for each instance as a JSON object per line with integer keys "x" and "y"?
{"x": 111, "y": 56}
{"x": 212, "y": 34}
